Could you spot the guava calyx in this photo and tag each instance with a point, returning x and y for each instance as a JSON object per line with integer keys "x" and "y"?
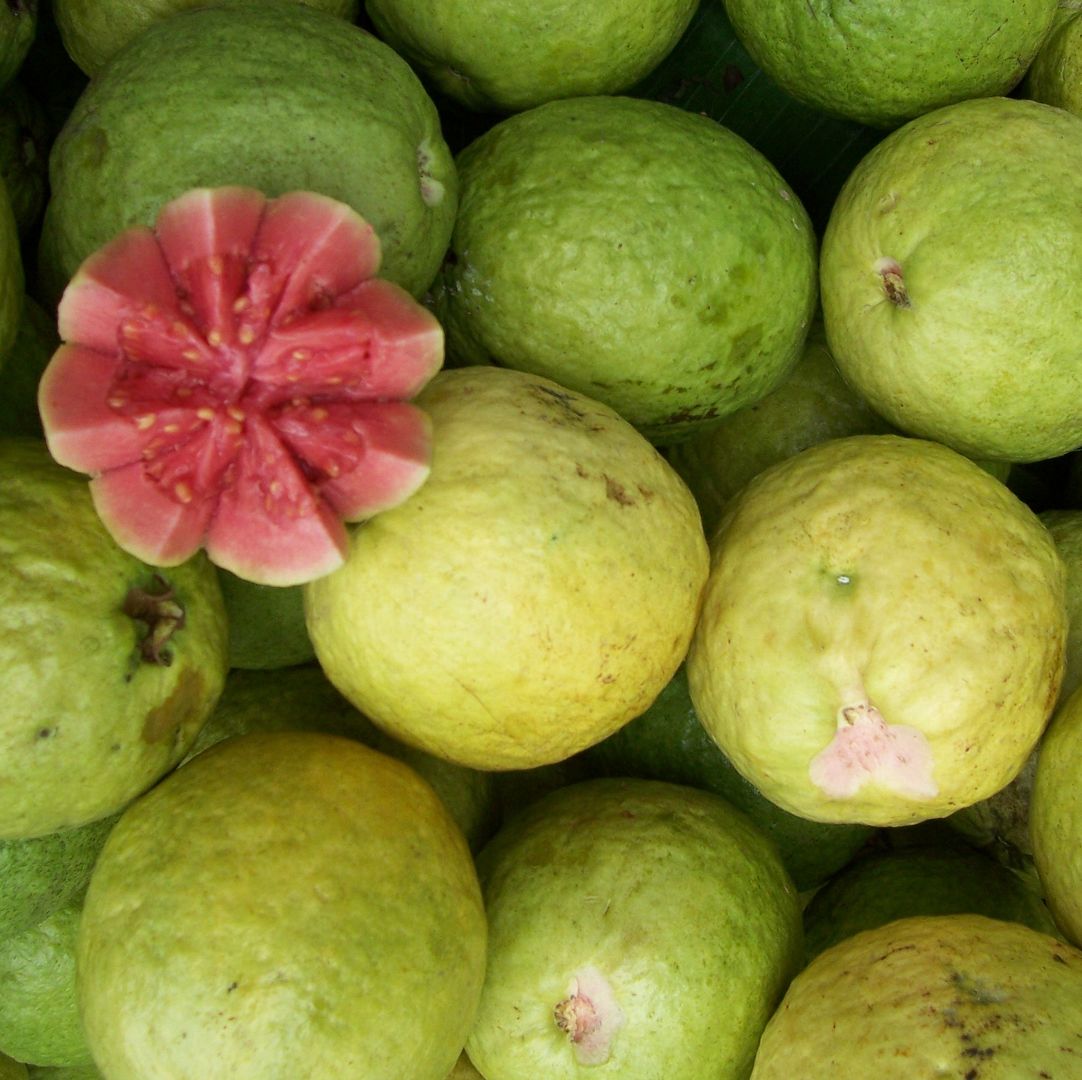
{"x": 865, "y": 749}
{"x": 239, "y": 378}
{"x": 161, "y": 615}
{"x": 893, "y": 282}
{"x": 590, "y": 1016}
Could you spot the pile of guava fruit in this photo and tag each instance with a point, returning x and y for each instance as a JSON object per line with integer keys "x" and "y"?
{"x": 540, "y": 541}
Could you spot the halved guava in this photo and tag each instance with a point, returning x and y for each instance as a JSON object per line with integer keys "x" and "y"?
{"x": 237, "y": 378}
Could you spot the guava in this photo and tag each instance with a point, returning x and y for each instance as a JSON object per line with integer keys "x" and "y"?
{"x": 110, "y": 666}
{"x": 554, "y": 564}
{"x": 18, "y": 26}
{"x": 24, "y": 155}
{"x": 286, "y": 904}
{"x": 12, "y": 277}
{"x": 813, "y": 403}
{"x": 490, "y": 55}
{"x": 93, "y": 31}
{"x": 632, "y": 251}
{"x": 881, "y": 63}
{"x": 931, "y": 995}
{"x": 921, "y": 879}
{"x": 1055, "y": 74}
{"x": 266, "y": 624}
{"x": 236, "y": 378}
{"x": 1055, "y": 816}
{"x": 636, "y": 928}
{"x": 946, "y": 249}
{"x": 1065, "y": 527}
{"x": 669, "y": 742}
{"x": 276, "y": 96}
{"x": 61, "y": 1072}
{"x": 303, "y": 699}
{"x": 40, "y": 875}
{"x": 35, "y": 342}
{"x": 882, "y": 634}
{"x": 39, "y": 1018}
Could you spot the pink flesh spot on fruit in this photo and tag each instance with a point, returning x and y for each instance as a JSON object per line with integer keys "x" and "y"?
{"x": 866, "y": 749}
{"x": 237, "y": 378}
{"x": 590, "y": 1015}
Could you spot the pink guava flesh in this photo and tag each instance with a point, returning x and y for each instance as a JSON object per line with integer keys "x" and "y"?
{"x": 867, "y": 749}
{"x": 590, "y": 1015}
{"x": 237, "y": 378}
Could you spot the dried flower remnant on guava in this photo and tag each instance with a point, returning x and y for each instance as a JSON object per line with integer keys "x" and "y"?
{"x": 238, "y": 378}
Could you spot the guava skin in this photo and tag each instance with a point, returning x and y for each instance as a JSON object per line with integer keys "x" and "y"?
{"x": 882, "y": 635}
{"x": 952, "y": 239}
{"x": 192, "y": 103}
{"x": 631, "y": 922}
{"x": 112, "y": 668}
{"x": 881, "y": 62}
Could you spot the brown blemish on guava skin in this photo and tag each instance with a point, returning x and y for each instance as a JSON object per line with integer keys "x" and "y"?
{"x": 590, "y": 1016}
{"x": 616, "y": 491}
{"x": 161, "y": 615}
{"x": 169, "y": 718}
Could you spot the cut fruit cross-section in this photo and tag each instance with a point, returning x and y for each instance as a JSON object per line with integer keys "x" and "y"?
{"x": 238, "y": 378}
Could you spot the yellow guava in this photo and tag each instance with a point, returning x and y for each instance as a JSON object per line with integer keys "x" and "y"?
{"x": 883, "y": 631}
{"x": 537, "y": 592}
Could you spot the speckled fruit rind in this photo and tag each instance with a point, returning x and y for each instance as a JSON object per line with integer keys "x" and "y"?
{"x": 229, "y": 94}
{"x": 39, "y": 1017}
{"x": 922, "y": 879}
{"x": 669, "y": 742}
{"x": 955, "y": 236}
{"x": 882, "y": 634}
{"x": 880, "y": 62}
{"x": 491, "y": 55}
{"x": 287, "y": 904}
{"x": 946, "y": 995}
{"x": 110, "y": 666}
{"x": 93, "y": 31}
{"x": 1055, "y": 816}
{"x": 553, "y": 562}
{"x": 631, "y": 922}
{"x": 632, "y": 251}
{"x": 1065, "y": 527}
{"x": 40, "y": 875}
{"x": 1055, "y": 75}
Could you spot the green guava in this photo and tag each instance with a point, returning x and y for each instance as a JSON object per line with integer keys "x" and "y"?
{"x": 12, "y": 277}
{"x": 35, "y": 342}
{"x": 18, "y": 27}
{"x": 669, "y": 742}
{"x": 1065, "y": 527}
{"x": 227, "y": 94}
{"x": 632, "y": 251}
{"x": 919, "y": 879}
{"x": 39, "y": 1017}
{"x": 287, "y": 904}
{"x": 1055, "y": 816}
{"x": 1055, "y": 75}
{"x": 954, "y": 238}
{"x": 631, "y": 922}
{"x": 93, "y": 31}
{"x": 882, "y": 63}
{"x": 40, "y": 875}
{"x": 266, "y": 624}
{"x": 111, "y": 666}
{"x": 554, "y": 564}
{"x": 488, "y": 54}
{"x": 961, "y": 996}
{"x": 24, "y": 155}
{"x": 303, "y": 699}
{"x": 882, "y": 635}
{"x": 812, "y": 404}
